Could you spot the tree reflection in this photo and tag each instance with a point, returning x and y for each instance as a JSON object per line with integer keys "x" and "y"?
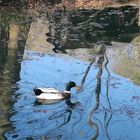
{"x": 87, "y": 71}
{"x": 4, "y": 37}
{"x": 97, "y": 94}
{"x": 107, "y": 116}
{"x": 58, "y": 33}
{"x": 11, "y": 52}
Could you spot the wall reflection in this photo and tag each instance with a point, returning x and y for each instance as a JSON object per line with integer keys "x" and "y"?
{"x": 81, "y": 28}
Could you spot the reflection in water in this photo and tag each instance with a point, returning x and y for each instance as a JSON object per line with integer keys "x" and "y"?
{"x": 81, "y": 28}
{"x": 97, "y": 94}
{"x": 113, "y": 95}
{"x": 64, "y": 115}
{"x": 71, "y": 104}
{"x": 57, "y": 34}
{"x": 11, "y": 52}
{"x": 86, "y": 72}
{"x": 61, "y": 117}
{"x": 43, "y": 101}
{"x": 3, "y": 48}
{"x": 108, "y": 115}
{"x": 128, "y": 63}
{"x": 65, "y": 120}
{"x": 48, "y": 102}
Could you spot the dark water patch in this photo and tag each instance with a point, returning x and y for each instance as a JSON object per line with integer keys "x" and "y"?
{"x": 12, "y": 45}
{"x": 81, "y": 28}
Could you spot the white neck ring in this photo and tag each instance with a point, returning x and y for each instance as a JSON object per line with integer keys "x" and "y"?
{"x": 65, "y": 91}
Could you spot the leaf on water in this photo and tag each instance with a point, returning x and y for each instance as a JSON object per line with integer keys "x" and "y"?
{"x": 15, "y": 136}
{"x": 136, "y": 98}
{"x": 44, "y": 111}
{"x": 32, "y": 121}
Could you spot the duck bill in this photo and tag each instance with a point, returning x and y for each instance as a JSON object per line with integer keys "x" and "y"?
{"x": 78, "y": 88}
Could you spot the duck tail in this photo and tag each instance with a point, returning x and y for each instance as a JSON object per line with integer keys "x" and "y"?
{"x": 37, "y": 91}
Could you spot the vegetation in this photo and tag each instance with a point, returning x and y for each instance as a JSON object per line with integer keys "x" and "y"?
{"x": 68, "y": 3}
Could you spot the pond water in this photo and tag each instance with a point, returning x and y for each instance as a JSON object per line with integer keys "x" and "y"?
{"x": 106, "y": 107}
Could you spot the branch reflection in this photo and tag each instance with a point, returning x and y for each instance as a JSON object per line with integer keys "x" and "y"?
{"x": 61, "y": 117}
{"x": 87, "y": 71}
{"x": 108, "y": 115}
{"x": 65, "y": 114}
{"x": 97, "y": 93}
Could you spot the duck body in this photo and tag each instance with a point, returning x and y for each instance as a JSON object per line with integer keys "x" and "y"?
{"x": 48, "y": 93}
{"x": 52, "y": 93}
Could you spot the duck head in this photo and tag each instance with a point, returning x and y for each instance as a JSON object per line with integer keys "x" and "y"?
{"x": 70, "y": 85}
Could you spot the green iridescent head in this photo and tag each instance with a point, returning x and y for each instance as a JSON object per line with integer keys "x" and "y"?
{"x": 70, "y": 85}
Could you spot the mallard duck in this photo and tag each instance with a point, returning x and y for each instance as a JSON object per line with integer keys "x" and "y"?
{"x": 54, "y": 94}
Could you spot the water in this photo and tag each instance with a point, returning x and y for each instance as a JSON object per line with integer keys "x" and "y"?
{"x": 107, "y": 107}
{"x": 109, "y": 103}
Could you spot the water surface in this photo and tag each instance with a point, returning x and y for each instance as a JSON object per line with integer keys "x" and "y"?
{"x": 108, "y": 103}
{"x": 107, "y": 107}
